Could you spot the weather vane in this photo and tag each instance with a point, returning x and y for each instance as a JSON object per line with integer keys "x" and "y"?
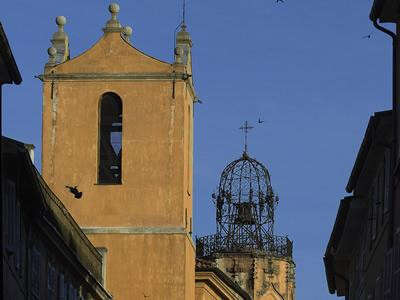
{"x": 246, "y": 127}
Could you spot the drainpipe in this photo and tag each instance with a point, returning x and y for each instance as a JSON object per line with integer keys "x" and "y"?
{"x": 395, "y": 151}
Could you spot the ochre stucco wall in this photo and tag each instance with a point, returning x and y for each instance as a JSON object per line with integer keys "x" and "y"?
{"x": 147, "y": 265}
{"x": 260, "y": 275}
{"x": 153, "y": 158}
{"x": 156, "y": 190}
{"x": 204, "y": 292}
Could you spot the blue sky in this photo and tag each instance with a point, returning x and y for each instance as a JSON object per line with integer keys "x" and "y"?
{"x": 302, "y": 66}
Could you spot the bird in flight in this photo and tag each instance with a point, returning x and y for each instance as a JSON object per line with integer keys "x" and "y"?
{"x": 282, "y": 1}
{"x": 74, "y": 190}
{"x": 260, "y": 121}
{"x": 367, "y": 36}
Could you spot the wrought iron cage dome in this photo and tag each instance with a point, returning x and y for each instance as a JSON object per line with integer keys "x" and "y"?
{"x": 245, "y": 204}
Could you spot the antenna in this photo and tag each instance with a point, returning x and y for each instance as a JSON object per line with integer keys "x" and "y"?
{"x": 245, "y": 127}
{"x": 184, "y": 12}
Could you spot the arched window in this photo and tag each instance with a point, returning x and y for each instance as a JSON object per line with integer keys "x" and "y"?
{"x": 110, "y": 139}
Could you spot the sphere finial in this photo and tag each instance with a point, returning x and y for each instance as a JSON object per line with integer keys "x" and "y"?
{"x": 113, "y": 8}
{"x": 127, "y": 32}
{"x": 61, "y": 20}
{"x": 52, "y": 52}
{"x": 59, "y": 42}
{"x": 113, "y": 24}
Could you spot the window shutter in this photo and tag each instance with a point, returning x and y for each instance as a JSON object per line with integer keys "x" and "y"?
{"x": 387, "y": 180}
{"x": 374, "y": 208}
{"x": 387, "y": 277}
{"x": 35, "y": 272}
{"x": 61, "y": 289}
{"x": 396, "y": 268}
{"x": 10, "y": 199}
{"x": 70, "y": 292}
{"x": 17, "y": 237}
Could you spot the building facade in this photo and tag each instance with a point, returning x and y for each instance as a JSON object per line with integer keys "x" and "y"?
{"x": 45, "y": 255}
{"x": 118, "y": 128}
{"x": 214, "y": 284}
{"x": 359, "y": 256}
{"x": 362, "y": 259}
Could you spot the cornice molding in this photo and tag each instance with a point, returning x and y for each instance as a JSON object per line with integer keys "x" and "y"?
{"x": 113, "y": 76}
{"x": 133, "y": 230}
{"x": 173, "y": 76}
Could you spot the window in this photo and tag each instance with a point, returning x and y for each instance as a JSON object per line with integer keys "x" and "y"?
{"x": 396, "y": 267}
{"x": 61, "y": 287}
{"x": 35, "y": 273}
{"x": 110, "y": 140}
{"x": 51, "y": 281}
{"x": 103, "y": 252}
{"x": 72, "y": 292}
{"x": 386, "y": 181}
{"x": 375, "y": 208}
{"x": 17, "y": 236}
{"x": 381, "y": 195}
{"x": 10, "y": 200}
{"x": 387, "y": 275}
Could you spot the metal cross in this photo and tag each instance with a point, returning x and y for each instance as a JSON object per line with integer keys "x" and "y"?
{"x": 245, "y": 127}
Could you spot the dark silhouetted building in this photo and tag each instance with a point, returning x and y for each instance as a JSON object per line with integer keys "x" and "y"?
{"x": 358, "y": 255}
{"x": 362, "y": 259}
{"x": 44, "y": 252}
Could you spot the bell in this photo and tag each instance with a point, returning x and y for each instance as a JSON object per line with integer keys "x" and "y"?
{"x": 244, "y": 214}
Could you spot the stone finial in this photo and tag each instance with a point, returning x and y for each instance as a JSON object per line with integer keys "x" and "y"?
{"x": 184, "y": 42}
{"x": 113, "y": 24}
{"x": 127, "y": 32}
{"x": 60, "y": 41}
{"x": 61, "y": 21}
{"x": 52, "y": 52}
{"x": 178, "y": 55}
{"x": 183, "y": 37}
{"x": 60, "y": 34}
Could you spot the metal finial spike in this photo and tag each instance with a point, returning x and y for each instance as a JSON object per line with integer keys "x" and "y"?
{"x": 245, "y": 127}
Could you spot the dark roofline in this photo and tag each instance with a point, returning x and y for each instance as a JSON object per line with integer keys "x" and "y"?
{"x": 8, "y": 58}
{"x": 365, "y": 147}
{"x": 387, "y": 11}
{"x": 226, "y": 279}
{"x": 334, "y": 240}
{"x": 18, "y": 143}
{"x": 48, "y": 198}
{"x": 376, "y": 9}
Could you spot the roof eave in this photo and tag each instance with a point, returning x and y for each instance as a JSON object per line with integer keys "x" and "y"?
{"x": 387, "y": 11}
{"x": 334, "y": 239}
{"x": 6, "y": 53}
{"x": 365, "y": 147}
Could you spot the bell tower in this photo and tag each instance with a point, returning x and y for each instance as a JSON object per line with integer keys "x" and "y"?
{"x": 245, "y": 246}
{"x": 118, "y": 128}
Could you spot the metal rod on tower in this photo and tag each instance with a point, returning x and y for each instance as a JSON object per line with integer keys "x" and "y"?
{"x": 246, "y": 129}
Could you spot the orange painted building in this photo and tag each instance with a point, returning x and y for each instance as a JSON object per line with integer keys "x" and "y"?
{"x": 118, "y": 131}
